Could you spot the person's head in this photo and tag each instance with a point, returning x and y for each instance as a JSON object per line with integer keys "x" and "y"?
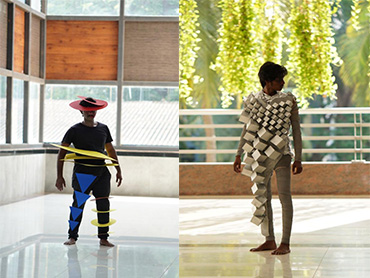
{"x": 272, "y": 74}
{"x": 88, "y": 102}
{"x": 88, "y": 106}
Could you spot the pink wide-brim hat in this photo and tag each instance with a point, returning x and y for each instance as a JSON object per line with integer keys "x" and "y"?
{"x": 97, "y": 105}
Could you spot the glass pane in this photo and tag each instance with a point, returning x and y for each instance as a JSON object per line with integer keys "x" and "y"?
{"x": 3, "y": 32}
{"x": 83, "y": 7}
{"x": 17, "y": 111}
{"x": 150, "y": 117}
{"x": 2, "y": 109}
{"x": 13, "y": 261}
{"x": 59, "y": 116}
{"x": 34, "y": 113}
{"x": 152, "y": 7}
{"x": 36, "y": 4}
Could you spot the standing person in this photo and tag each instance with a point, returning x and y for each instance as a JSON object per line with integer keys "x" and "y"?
{"x": 279, "y": 111}
{"x": 93, "y": 136}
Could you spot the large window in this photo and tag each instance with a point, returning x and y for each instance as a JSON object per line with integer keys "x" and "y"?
{"x": 2, "y": 109}
{"x": 59, "y": 116}
{"x": 17, "y": 111}
{"x": 150, "y": 117}
{"x": 36, "y": 4}
{"x": 152, "y": 7}
{"x": 34, "y": 113}
{"x": 83, "y": 7}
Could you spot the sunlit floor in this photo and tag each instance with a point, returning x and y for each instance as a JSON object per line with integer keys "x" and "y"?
{"x": 145, "y": 237}
{"x": 330, "y": 238}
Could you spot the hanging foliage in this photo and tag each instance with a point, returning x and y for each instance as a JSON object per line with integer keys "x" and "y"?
{"x": 238, "y": 60}
{"x": 188, "y": 47}
{"x": 368, "y": 57}
{"x": 250, "y": 34}
{"x": 355, "y": 14}
{"x": 273, "y": 27}
{"x": 354, "y": 48}
{"x": 311, "y": 49}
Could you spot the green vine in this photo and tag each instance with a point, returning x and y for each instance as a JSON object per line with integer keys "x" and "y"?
{"x": 238, "y": 59}
{"x": 368, "y": 57}
{"x": 272, "y": 27}
{"x": 311, "y": 49}
{"x": 355, "y": 13}
{"x": 188, "y": 47}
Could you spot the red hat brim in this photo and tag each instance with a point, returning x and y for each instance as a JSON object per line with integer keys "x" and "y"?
{"x": 99, "y": 104}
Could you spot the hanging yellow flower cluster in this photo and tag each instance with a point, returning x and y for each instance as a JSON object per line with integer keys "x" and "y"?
{"x": 188, "y": 46}
{"x": 311, "y": 49}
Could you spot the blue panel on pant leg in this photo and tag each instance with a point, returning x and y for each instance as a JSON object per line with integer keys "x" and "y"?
{"x": 73, "y": 224}
{"x": 75, "y": 212}
{"x": 81, "y": 198}
{"x": 85, "y": 180}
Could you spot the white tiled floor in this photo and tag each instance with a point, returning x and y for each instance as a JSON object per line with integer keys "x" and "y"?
{"x": 145, "y": 235}
{"x": 330, "y": 238}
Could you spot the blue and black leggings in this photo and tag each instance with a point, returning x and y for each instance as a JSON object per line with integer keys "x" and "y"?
{"x": 100, "y": 188}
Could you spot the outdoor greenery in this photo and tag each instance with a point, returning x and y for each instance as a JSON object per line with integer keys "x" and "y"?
{"x": 84, "y": 7}
{"x": 238, "y": 58}
{"x": 188, "y": 47}
{"x": 150, "y": 94}
{"x": 354, "y": 48}
{"x": 152, "y": 7}
{"x": 338, "y": 75}
{"x": 311, "y": 50}
{"x": 112, "y": 7}
{"x": 272, "y": 27}
{"x": 310, "y": 37}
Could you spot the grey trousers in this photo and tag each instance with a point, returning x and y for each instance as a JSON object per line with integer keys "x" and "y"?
{"x": 283, "y": 174}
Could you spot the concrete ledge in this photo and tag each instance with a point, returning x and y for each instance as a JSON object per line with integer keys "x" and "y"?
{"x": 202, "y": 179}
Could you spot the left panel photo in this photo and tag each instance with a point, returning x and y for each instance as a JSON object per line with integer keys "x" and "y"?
{"x": 89, "y": 138}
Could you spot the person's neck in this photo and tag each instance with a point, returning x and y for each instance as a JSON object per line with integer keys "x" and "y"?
{"x": 89, "y": 123}
{"x": 269, "y": 91}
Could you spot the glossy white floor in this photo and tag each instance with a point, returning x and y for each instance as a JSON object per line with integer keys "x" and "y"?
{"x": 145, "y": 235}
{"x": 330, "y": 238}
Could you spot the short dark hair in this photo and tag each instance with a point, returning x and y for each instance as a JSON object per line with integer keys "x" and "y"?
{"x": 88, "y": 104}
{"x": 269, "y": 71}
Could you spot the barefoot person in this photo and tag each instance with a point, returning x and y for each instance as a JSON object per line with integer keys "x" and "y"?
{"x": 93, "y": 136}
{"x": 268, "y": 115}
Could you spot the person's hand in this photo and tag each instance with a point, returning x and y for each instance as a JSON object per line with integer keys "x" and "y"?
{"x": 60, "y": 183}
{"x": 297, "y": 167}
{"x": 237, "y": 164}
{"x": 119, "y": 179}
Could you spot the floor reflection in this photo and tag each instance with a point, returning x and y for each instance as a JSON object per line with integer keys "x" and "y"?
{"x": 330, "y": 238}
{"x": 46, "y": 256}
{"x": 267, "y": 269}
{"x": 74, "y": 269}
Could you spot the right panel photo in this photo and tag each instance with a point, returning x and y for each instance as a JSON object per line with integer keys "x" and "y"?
{"x": 274, "y": 136}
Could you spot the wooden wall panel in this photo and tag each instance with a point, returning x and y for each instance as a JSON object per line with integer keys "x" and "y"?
{"x": 81, "y": 50}
{"x": 35, "y": 45}
{"x": 19, "y": 40}
{"x": 151, "y": 51}
{"x": 3, "y": 32}
{"x": 319, "y": 178}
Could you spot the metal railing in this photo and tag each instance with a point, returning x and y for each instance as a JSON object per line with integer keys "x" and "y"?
{"x": 357, "y": 124}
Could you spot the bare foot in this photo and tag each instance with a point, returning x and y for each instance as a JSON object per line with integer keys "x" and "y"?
{"x": 267, "y": 245}
{"x": 282, "y": 249}
{"x": 105, "y": 242}
{"x": 70, "y": 241}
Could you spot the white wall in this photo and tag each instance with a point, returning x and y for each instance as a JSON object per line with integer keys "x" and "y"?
{"x": 25, "y": 176}
{"x": 143, "y": 176}
{"x": 21, "y": 177}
